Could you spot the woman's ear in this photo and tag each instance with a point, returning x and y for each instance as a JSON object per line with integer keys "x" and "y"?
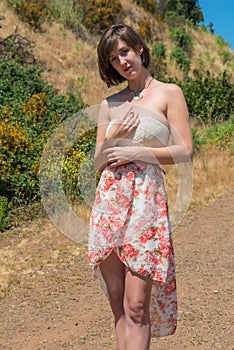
{"x": 140, "y": 49}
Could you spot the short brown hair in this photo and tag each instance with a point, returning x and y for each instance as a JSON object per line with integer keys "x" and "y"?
{"x": 125, "y": 33}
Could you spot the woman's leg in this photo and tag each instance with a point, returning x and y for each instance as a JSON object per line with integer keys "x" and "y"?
{"x": 136, "y": 305}
{"x": 113, "y": 272}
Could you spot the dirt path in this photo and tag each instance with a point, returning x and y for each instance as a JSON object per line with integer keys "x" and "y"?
{"x": 50, "y": 301}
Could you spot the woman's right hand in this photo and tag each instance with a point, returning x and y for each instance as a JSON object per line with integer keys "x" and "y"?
{"x": 122, "y": 127}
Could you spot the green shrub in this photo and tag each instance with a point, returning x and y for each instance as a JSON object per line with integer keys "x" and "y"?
{"x": 226, "y": 56}
{"x": 203, "y": 28}
{"x": 4, "y": 213}
{"x": 210, "y": 97}
{"x": 78, "y": 179}
{"x": 148, "y": 5}
{"x": 182, "y": 40}
{"x": 221, "y": 134}
{"x": 29, "y": 111}
{"x": 158, "y": 62}
{"x": 198, "y": 140}
{"x": 174, "y": 20}
{"x": 190, "y": 10}
{"x": 220, "y": 41}
{"x": 181, "y": 59}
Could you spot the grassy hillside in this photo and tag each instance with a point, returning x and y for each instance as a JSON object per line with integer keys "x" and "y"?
{"x": 70, "y": 62}
{"x": 31, "y": 108}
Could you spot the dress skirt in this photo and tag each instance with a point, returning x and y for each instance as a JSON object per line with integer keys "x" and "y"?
{"x": 130, "y": 217}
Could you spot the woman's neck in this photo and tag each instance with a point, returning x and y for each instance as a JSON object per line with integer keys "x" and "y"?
{"x": 140, "y": 83}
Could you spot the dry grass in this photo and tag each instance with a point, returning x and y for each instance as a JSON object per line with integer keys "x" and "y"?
{"x": 206, "y": 54}
{"x": 213, "y": 175}
{"x": 72, "y": 62}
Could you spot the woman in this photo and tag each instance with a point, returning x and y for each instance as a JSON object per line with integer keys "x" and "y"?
{"x": 130, "y": 243}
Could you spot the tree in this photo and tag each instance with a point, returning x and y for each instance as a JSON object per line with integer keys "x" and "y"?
{"x": 189, "y": 9}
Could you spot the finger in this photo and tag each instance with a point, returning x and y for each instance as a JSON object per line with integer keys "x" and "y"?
{"x": 114, "y": 165}
{"x": 133, "y": 118}
{"x": 108, "y": 151}
{"x": 129, "y": 117}
{"x": 128, "y": 112}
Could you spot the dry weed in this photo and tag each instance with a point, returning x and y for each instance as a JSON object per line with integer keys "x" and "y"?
{"x": 213, "y": 174}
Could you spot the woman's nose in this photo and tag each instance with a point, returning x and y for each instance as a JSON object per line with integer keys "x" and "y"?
{"x": 122, "y": 60}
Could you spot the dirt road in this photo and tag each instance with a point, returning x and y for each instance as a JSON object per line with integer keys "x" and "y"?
{"x": 50, "y": 301}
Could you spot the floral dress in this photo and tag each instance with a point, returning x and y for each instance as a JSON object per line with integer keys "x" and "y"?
{"x": 130, "y": 217}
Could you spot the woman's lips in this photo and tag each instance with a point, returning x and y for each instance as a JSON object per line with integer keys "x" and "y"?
{"x": 127, "y": 69}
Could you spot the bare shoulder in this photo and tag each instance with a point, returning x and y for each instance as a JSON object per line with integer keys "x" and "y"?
{"x": 170, "y": 88}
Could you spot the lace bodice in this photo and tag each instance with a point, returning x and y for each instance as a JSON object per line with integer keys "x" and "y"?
{"x": 151, "y": 129}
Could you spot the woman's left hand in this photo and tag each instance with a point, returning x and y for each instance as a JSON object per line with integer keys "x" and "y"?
{"x": 121, "y": 155}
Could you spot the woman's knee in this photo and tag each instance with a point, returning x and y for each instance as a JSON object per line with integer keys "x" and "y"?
{"x": 138, "y": 312}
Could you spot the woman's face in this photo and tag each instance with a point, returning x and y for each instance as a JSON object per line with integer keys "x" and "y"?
{"x": 125, "y": 60}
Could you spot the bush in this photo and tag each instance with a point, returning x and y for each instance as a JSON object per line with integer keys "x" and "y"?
{"x": 226, "y": 56}
{"x": 148, "y": 5}
{"x": 144, "y": 30}
{"x": 75, "y": 184}
{"x": 158, "y": 62}
{"x": 4, "y": 213}
{"x": 29, "y": 111}
{"x": 220, "y": 135}
{"x": 210, "y": 98}
{"x": 16, "y": 47}
{"x": 221, "y": 42}
{"x": 198, "y": 140}
{"x": 100, "y": 14}
{"x": 181, "y": 59}
{"x": 182, "y": 40}
{"x": 70, "y": 12}
{"x": 33, "y": 12}
{"x": 95, "y": 15}
{"x": 174, "y": 20}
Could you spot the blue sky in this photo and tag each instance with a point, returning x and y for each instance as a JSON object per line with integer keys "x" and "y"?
{"x": 221, "y": 13}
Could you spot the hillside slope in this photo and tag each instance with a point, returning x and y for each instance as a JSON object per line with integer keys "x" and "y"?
{"x": 70, "y": 63}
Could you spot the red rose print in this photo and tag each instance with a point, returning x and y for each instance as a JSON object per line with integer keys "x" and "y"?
{"x": 171, "y": 288}
{"x": 108, "y": 184}
{"x": 94, "y": 257}
{"x": 142, "y": 271}
{"x": 130, "y": 176}
{"x": 158, "y": 276}
{"x": 123, "y": 201}
{"x": 156, "y": 260}
{"x": 164, "y": 250}
{"x": 136, "y": 193}
{"x": 147, "y": 235}
{"x": 130, "y": 251}
{"x": 163, "y": 213}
